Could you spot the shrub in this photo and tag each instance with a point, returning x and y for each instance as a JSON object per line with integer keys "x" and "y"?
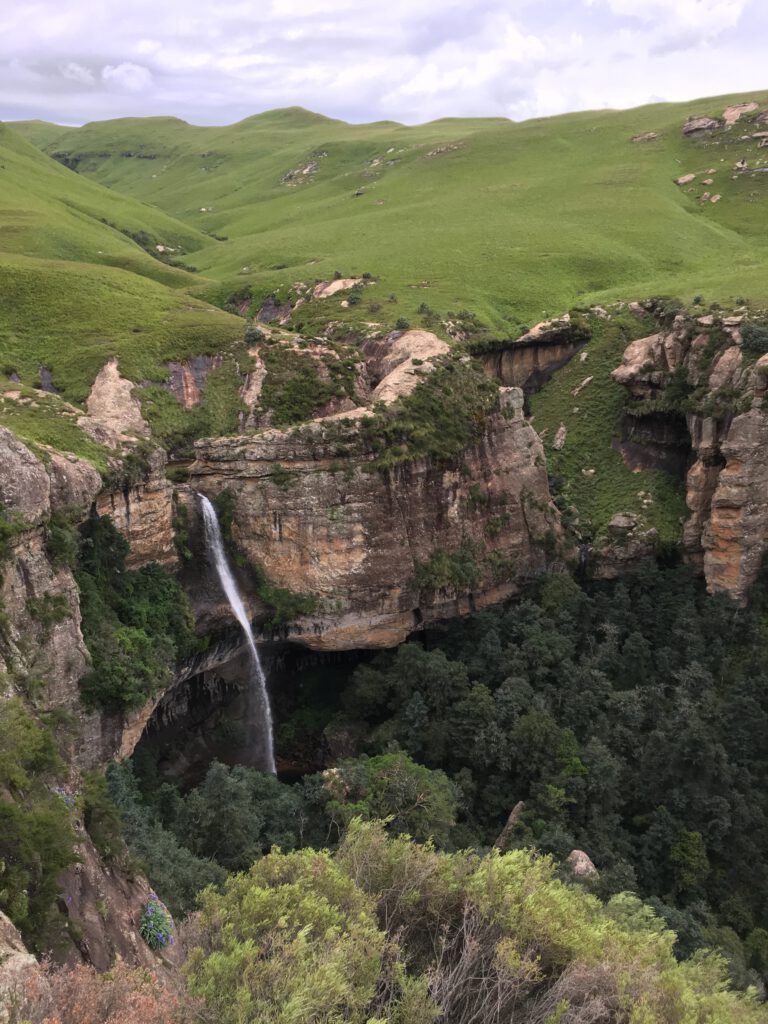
{"x": 460, "y": 938}
{"x": 292, "y": 940}
{"x": 755, "y": 337}
{"x": 36, "y": 837}
{"x": 292, "y": 389}
{"x": 155, "y": 924}
{"x": 100, "y": 816}
{"x": 176, "y": 873}
{"x": 254, "y": 335}
{"x": 80, "y": 995}
{"x": 62, "y": 539}
{"x": 412, "y": 799}
{"x": 135, "y": 623}
{"x": 401, "y": 324}
{"x": 49, "y": 610}
{"x": 457, "y": 570}
{"x": 445, "y": 414}
{"x": 11, "y": 525}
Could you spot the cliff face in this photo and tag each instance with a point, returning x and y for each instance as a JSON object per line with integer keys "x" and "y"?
{"x": 44, "y": 660}
{"x": 529, "y": 361}
{"x": 378, "y": 550}
{"x": 725, "y": 420}
{"x": 143, "y": 513}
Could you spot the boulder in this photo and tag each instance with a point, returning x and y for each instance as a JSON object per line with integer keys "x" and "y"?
{"x": 559, "y": 440}
{"x": 701, "y": 124}
{"x": 581, "y": 865}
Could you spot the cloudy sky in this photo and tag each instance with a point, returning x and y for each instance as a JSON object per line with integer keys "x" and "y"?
{"x": 216, "y": 62}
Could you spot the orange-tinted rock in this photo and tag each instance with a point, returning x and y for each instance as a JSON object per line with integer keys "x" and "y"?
{"x": 352, "y": 536}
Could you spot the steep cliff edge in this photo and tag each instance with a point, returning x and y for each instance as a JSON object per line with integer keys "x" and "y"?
{"x": 383, "y": 552}
{"x": 708, "y": 374}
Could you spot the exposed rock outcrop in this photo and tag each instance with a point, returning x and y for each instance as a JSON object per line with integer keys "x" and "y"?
{"x": 695, "y": 125}
{"x": 186, "y": 381}
{"x": 143, "y": 513}
{"x": 326, "y": 289}
{"x": 18, "y": 968}
{"x": 732, "y": 114}
{"x": 581, "y": 864}
{"x": 328, "y": 524}
{"x": 114, "y": 414}
{"x": 727, "y": 478}
{"x": 529, "y": 361}
{"x": 403, "y": 358}
{"x": 106, "y": 903}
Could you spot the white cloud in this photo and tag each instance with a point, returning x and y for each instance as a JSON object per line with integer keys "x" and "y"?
{"x": 128, "y": 76}
{"x": 407, "y": 60}
{"x": 77, "y": 73}
{"x": 714, "y": 15}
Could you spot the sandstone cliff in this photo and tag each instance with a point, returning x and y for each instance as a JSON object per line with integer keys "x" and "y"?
{"x": 375, "y": 548}
{"x": 698, "y": 375}
{"x": 143, "y": 512}
{"x": 529, "y": 361}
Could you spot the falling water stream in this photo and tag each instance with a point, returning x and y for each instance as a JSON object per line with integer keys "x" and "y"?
{"x": 215, "y": 545}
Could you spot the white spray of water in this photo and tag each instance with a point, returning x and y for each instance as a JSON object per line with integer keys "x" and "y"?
{"x": 215, "y": 544}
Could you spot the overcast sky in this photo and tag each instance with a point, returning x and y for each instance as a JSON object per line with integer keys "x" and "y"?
{"x": 212, "y": 62}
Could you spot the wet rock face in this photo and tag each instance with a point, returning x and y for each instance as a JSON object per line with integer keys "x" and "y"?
{"x": 727, "y": 479}
{"x": 331, "y": 526}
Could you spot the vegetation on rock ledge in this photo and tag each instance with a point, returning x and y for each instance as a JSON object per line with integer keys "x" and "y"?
{"x": 136, "y": 623}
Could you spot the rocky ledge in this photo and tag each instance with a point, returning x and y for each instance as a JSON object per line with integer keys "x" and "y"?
{"x": 382, "y": 553}
{"x": 701, "y": 372}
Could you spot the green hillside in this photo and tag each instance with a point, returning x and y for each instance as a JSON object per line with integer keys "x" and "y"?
{"x": 81, "y": 280}
{"x": 127, "y": 242}
{"x": 505, "y": 219}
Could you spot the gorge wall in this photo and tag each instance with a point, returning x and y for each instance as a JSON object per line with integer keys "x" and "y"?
{"x": 376, "y": 548}
{"x": 699, "y": 371}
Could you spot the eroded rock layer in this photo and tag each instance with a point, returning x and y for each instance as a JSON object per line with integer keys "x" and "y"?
{"x": 378, "y": 550}
{"x": 700, "y": 369}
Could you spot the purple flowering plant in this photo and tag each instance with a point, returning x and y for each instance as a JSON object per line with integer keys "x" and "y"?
{"x": 156, "y": 924}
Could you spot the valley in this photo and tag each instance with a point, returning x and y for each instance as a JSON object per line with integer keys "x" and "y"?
{"x": 458, "y": 431}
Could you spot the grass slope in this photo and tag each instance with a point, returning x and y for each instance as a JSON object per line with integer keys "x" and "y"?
{"x": 77, "y": 288}
{"x": 589, "y": 474}
{"x": 509, "y": 220}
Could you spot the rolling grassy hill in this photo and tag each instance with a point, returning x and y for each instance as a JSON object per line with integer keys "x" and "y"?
{"x": 506, "y": 219}
{"x": 79, "y": 284}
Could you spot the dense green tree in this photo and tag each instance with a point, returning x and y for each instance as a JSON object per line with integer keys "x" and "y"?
{"x": 136, "y": 623}
{"x": 630, "y": 718}
{"x": 413, "y": 799}
{"x": 392, "y": 932}
{"x": 36, "y": 835}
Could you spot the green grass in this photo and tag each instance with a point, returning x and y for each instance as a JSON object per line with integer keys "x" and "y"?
{"x": 74, "y": 317}
{"x": 76, "y": 289}
{"x": 591, "y": 419}
{"x": 510, "y": 220}
{"x": 44, "y": 421}
{"x": 496, "y": 222}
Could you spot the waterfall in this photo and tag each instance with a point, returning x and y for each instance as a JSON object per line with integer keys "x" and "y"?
{"x": 215, "y": 544}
